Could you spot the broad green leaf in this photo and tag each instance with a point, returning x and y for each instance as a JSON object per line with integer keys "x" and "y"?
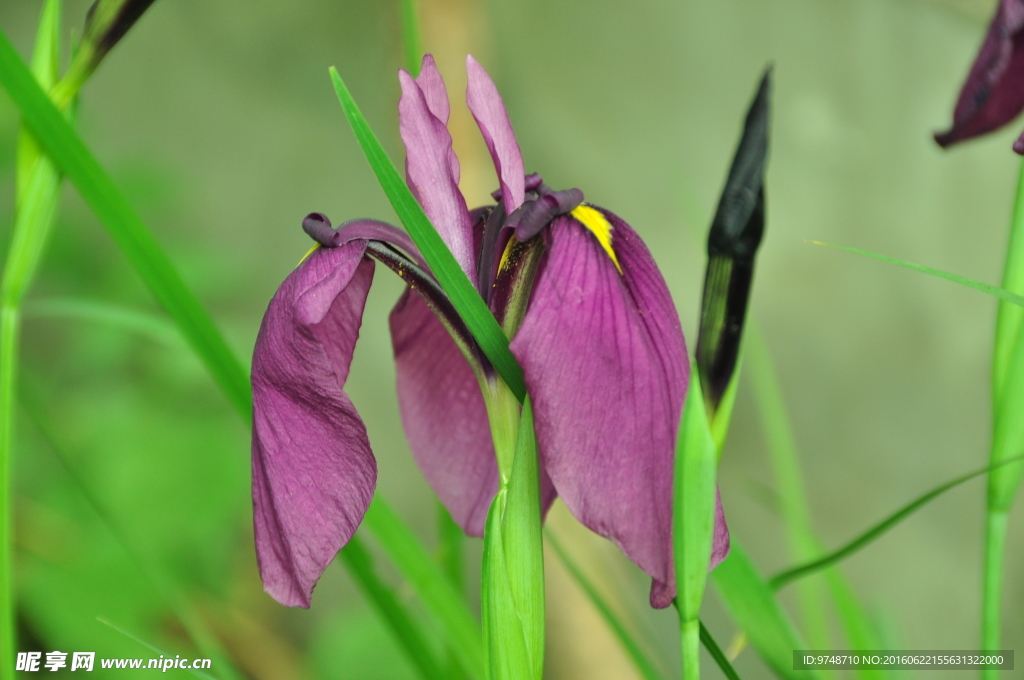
{"x": 430, "y": 584}
{"x": 754, "y": 608}
{"x": 693, "y": 519}
{"x": 643, "y": 664}
{"x": 789, "y": 575}
{"x": 1001, "y": 293}
{"x": 360, "y": 565}
{"x": 64, "y": 147}
{"x": 464, "y": 297}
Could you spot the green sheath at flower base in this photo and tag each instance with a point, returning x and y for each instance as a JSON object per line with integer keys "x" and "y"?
{"x": 693, "y": 520}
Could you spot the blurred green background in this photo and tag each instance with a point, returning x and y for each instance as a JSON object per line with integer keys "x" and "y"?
{"x": 219, "y": 122}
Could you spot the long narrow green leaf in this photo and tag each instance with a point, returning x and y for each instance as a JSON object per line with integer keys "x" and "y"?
{"x": 153, "y": 648}
{"x": 754, "y": 608}
{"x": 716, "y": 653}
{"x": 67, "y": 151}
{"x": 1001, "y": 293}
{"x": 467, "y": 302}
{"x": 36, "y": 189}
{"x": 789, "y": 575}
{"x": 430, "y": 584}
{"x": 360, "y": 565}
{"x": 643, "y": 664}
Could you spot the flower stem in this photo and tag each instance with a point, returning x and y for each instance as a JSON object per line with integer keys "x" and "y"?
{"x": 690, "y": 639}
{"x": 995, "y": 547}
{"x": 9, "y": 319}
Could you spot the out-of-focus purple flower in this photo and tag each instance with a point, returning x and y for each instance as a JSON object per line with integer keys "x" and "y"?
{"x": 592, "y": 325}
{"x": 994, "y": 92}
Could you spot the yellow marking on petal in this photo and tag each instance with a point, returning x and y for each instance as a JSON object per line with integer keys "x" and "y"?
{"x": 599, "y": 226}
{"x": 508, "y": 251}
{"x": 308, "y": 253}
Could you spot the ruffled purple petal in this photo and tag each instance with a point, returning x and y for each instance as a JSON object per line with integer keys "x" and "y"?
{"x": 994, "y": 92}
{"x": 430, "y": 174}
{"x": 444, "y": 416}
{"x": 489, "y": 111}
{"x": 606, "y": 366}
{"x": 312, "y": 468}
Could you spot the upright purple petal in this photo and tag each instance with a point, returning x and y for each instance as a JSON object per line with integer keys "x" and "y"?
{"x": 606, "y": 366}
{"x": 994, "y": 92}
{"x": 312, "y": 468}
{"x": 430, "y": 174}
{"x": 436, "y": 95}
{"x": 489, "y": 111}
{"x": 444, "y": 416}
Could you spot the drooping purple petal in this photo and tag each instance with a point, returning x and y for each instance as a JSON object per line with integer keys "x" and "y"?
{"x": 430, "y": 175}
{"x": 312, "y": 468}
{"x": 318, "y": 227}
{"x": 489, "y": 111}
{"x": 444, "y": 416}
{"x": 994, "y": 92}
{"x": 606, "y": 366}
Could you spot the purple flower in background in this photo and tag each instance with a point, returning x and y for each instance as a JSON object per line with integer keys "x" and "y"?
{"x": 994, "y": 92}
{"x": 592, "y": 325}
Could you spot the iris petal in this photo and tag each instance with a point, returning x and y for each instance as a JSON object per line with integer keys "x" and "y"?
{"x": 489, "y": 111}
{"x": 444, "y": 416}
{"x": 605, "y": 363}
{"x": 992, "y": 95}
{"x": 312, "y": 468}
{"x": 430, "y": 173}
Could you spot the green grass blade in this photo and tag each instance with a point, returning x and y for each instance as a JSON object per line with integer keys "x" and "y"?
{"x": 431, "y": 585}
{"x": 67, "y": 151}
{"x": 360, "y": 565}
{"x": 153, "y": 648}
{"x": 693, "y": 520}
{"x": 1009, "y": 318}
{"x": 152, "y": 326}
{"x": 789, "y": 575}
{"x": 643, "y": 663}
{"x": 36, "y": 190}
{"x": 412, "y": 45}
{"x": 467, "y": 302}
{"x": 1001, "y": 293}
{"x": 754, "y": 608}
{"x": 803, "y": 544}
{"x": 716, "y": 653}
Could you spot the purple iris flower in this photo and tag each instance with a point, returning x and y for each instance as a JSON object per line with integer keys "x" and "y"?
{"x": 994, "y": 92}
{"x": 592, "y": 325}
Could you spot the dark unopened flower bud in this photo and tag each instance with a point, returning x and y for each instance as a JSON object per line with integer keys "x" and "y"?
{"x": 732, "y": 244}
